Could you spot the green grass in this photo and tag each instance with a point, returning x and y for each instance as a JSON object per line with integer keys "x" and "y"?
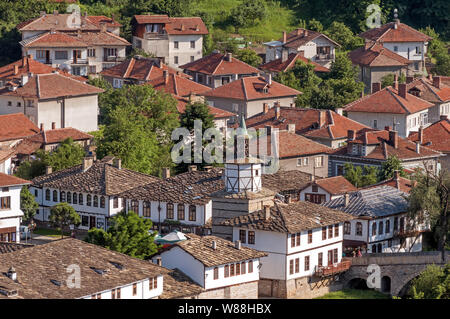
{"x": 49, "y": 232}
{"x": 354, "y": 294}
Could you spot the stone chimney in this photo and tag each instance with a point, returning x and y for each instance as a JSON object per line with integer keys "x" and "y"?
{"x": 322, "y": 115}
{"x": 397, "y": 179}
{"x": 395, "y": 85}
{"x": 393, "y": 138}
{"x": 284, "y": 55}
{"x": 87, "y": 163}
{"x": 214, "y": 245}
{"x": 16, "y": 69}
{"x": 265, "y": 108}
{"x": 420, "y": 135}
{"x": 284, "y": 37}
{"x": 277, "y": 111}
{"x": 192, "y": 168}
{"x": 351, "y": 135}
{"x": 159, "y": 261}
{"x": 117, "y": 163}
{"x": 12, "y": 274}
{"x": 305, "y": 33}
{"x": 269, "y": 78}
{"x": 418, "y": 147}
{"x": 165, "y": 172}
{"x": 53, "y": 125}
{"x": 266, "y": 213}
{"x": 346, "y": 199}
{"x": 237, "y": 244}
{"x": 376, "y": 86}
{"x": 166, "y": 76}
{"x": 48, "y": 170}
{"x": 339, "y": 110}
{"x": 409, "y": 79}
{"x": 402, "y": 90}
{"x": 437, "y": 81}
{"x": 312, "y": 177}
{"x": 291, "y": 128}
{"x": 229, "y": 57}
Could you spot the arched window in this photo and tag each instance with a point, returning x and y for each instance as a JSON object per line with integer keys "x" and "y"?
{"x": 380, "y": 228}
{"x": 55, "y": 196}
{"x": 180, "y": 212}
{"x": 62, "y": 196}
{"x": 80, "y": 199}
{"x": 388, "y": 226}
{"x": 192, "y": 213}
{"x": 135, "y": 207}
{"x": 95, "y": 201}
{"x": 358, "y": 229}
{"x": 75, "y": 198}
{"x": 347, "y": 228}
{"x": 169, "y": 211}
{"x": 374, "y": 229}
{"x": 89, "y": 200}
{"x": 216, "y": 273}
{"x": 147, "y": 209}
{"x": 69, "y": 197}
{"x": 47, "y": 194}
{"x": 102, "y": 202}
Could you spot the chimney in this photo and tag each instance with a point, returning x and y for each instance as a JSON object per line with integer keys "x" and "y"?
{"x": 269, "y": 130}
{"x": 418, "y": 147}
{"x": 376, "y": 86}
{"x": 12, "y": 273}
{"x": 420, "y": 134}
{"x": 284, "y": 55}
{"x": 265, "y": 108}
{"x": 16, "y": 69}
{"x": 351, "y": 135}
{"x": 165, "y": 172}
{"x": 166, "y": 76}
{"x": 192, "y": 168}
{"x": 53, "y": 125}
{"x": 299, "y": 31}
{"x": 269, "y": 78}
{"x": 182, "y": 27}
{"x": 24, "y": 61}
{"x": 291, "y": 128}
{"x": 305, "y": 33}
{"x": 42, "y": 127}
{"x": 397, "y": 179}
{"x": 312, "y": 177}
{"x": 237, "y": 244}
{"x": 214, "y": 245}
{"x": 430, "y": 76}
{"x": 48, "y": 170}
{"x": 346, "y": 199}
{"x": 266, "y": 212}
{"x": 229, "y": 57}
{"x": 322, "y": 118}
{"x": 393, "y": 138}
{"x": 284, "y": 37}
{"x": 197, "y": 28}
{"x": 402, "y": 90}
{"x": 87, "y": 162}
{"x": 102, "y": 26}
{"x": 409, "y": 79}
{"x": 395, "y": 82}
{"x": 55, "y": 12}
{"x": 159, "y": 261}
{"x": 367, "y": 44}
{"x": 437, "y": 81}
{"x": 24, "y": 79}
{"x": 117, "y": 163}
{"x": 287, "y": 199}
{"x": 277, "y": 111}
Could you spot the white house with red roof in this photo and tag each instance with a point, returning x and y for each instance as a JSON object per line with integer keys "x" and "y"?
{"x": 322, "y": 190}
{"x": 391, "y": 106}
{"x": 217, "y": 69}
{"x": 10, "y": 212}
{"x": 402, "y": 40}
{"x": 175, "y": 40}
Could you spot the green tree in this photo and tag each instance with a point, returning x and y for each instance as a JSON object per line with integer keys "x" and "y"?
{"x": 62, "y": 215}
{"x": 388, "y": 80}
{"x": 250, "y": 57}
{"x": 128, "y": 234}
{"x": 28, "y": 204}
{"x": 31, "y": 169}
{"x": 343, "y": 35}
{"x": 197, "y": 111}
{"x": 248, "y": 13}
{"x": 389, "y": 167}
{"x": 359, "y": 176}
{"x": 315, "y": 25}
{"x": 432, "y": 283}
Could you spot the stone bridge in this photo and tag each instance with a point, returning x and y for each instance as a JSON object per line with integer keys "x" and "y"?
{"x": 397, "y": 269}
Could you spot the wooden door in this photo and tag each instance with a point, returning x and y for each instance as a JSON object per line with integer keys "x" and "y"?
{"x": 92, "y": 222}
{"x": 330, "y": 257}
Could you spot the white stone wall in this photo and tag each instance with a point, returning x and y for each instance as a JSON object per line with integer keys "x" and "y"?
{"x": 184, "y": 51}
{"x": 13, "y": 216}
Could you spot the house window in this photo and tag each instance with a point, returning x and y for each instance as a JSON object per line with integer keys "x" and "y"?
{"x": 335, "y": 255}
{"x": 375, "y": 124}
{"x": 319, "y": 161}
{"x": 118, "y": 293}
{"x": 69, "y": 197}
{"x": 380, "y": 228}
{"x": 47, "y": 194}
{"x": 19, "y": 104}
{"x": 84, "y": 221}
{"x": 91, "y": 53}
{"x": 374, "y": 229}
{"x": 153, "y": 283}
{"x": 192, "y": 44}
{"x": 95, "y": 201}
{"x": 416, "y": 66}
{"x": 297, "y": 265}
{"x": 242, "y": 235}
{"x": 147, "y": 209}
{"x": 238, "y": 269}
{"x": 192, "y": 214}
{"x": 76, "y": 70}
{"x": 320, "y": 261}
{"x": 297, "y": 236}
{"x": 395, "y": 48}
{"x": 116, "y": 202}
{"x": 61, "y": 55}
{"x": 225, "y": 80}
{"x": 75, "y": 198}
{"x": 180, "y": 212}
{"x": 251, "y": 237}
{"x": 347, "y": 228}
{"x": 80, "y": 199}
{"x": 216, "y": 273}
{"x": 92, "y": 69}
{"x": 336, "y": 230}
{"x": 291, "y": 267}
{"x": 113, "y": 294}
{"x": 306, "y": 263}
{"x": 395, "y": 223}
{"x": 250, "y": 266}
{"x": 310, "y": 238}
{"x": 243, "y": 268}
{"x": 102, "y": 202}
{"x": 5, "y": 202}
{"x": 418, "y": 51}
{"x": 55, "y": 196}
{"x": 89, "y": 200}
{"x": 358, "y": 229}
{"x": 175, "y": 45}
{"x": 324, "y": 233}
{"x": 110, "y": 52}
{"x": 315, "y": 188}
{"x": 134, "y": 289}
{"x": 9, "y": 103}
{"x": 175, "y": 59}
{"x": 40, "y": 54}
{"x": 388, "y": 226}
{"x": 293, "y": 240}
{"x": 170, "y": 211}
{"x": 192, "y": 58}
{"x": 227, "y": 271}
{"x": 231, "y": 270}
{"x": 330, "y": 231}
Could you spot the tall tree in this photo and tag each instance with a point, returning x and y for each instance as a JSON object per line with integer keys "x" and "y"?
{"x": 62, "y": 215}
{"x": 128, "y": 234}
{"x": 28, "y": 204}
{"x": 359, "y": 176}
{"x": 250, "y": 57}
{"x": 389, "y": 167}
{"x": 432, "y": 283}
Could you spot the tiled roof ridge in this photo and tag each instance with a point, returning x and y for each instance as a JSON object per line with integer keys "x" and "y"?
{"x": 244, "y": 88}
{"x": 175, "y": 86}
{"x": 38, "y": 89}
{"x": 129, "y": 68}
{"x": 283, "y": 220}
{"x": 390, "y": 90}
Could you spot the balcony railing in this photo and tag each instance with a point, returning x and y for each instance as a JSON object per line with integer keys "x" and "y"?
{"x": 325, "y": 271}
{"x": 324, "y": 57}
{"x": 155, "y": 36}
{"x": 403, "y": 233}
{"x": 113, "y": 59}
{"x": 80, "y": 61}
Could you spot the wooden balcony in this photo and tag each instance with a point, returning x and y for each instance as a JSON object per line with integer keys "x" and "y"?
{"x": 326, "y": 271}
{"x": 404, "y": 233}
{"x": 324, "y": 57}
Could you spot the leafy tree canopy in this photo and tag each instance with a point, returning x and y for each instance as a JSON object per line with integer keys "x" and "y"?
{"x": 359, "y": 176}
{"x": 250, "y": 57}
{"x": 433, "y": 283}
{"x": 62, "y": 215}
{"x": 389, "y": 167}
{"x": 28, "y": 204}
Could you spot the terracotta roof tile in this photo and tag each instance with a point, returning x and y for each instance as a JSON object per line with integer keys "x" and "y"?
{"x": 403, "y": 184}
{"x": 97, "y": 20}
{"x": 217, "y": 64}
{"x": 175, "y": 25}
{"x": 58, "y": 22}
{"x": 177, "y": 85}
{"x": 377, "y": 55}
{"x": 435, "y": 136}
{"x": 428, "y": 91}
{"x": 336, "y": 185}
{"x": 54, "y": 40}
{"x": 294, "y": 145}
{"x": 10, "y": 180}
{"x": 279, "y": 66}
{"x": 300, "y": 36}
{"x": 16, "y": 126}
{"x": 388, "y": 33}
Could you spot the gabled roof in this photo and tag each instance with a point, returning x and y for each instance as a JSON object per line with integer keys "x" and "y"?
{"x": 251, "y": 88}
{"x": 101, "y": 178}
{"x": 175, "y": 25}
{"x": 25, "y": 66}
{"x": 53, "y": 85}
{"x": 200, "y": 247}
{"x": 300, "y": 36}
{"x": 58, "y": 22}
{"x": 435, "y": 136}
{"x": 377, "y": 55}
{"x": 279, "y": 66}
{"x": 395, "y": 32}
{"x": 388, "y": 100}
{"x": 290, "y": 218}
{"x": 10, "y": 180}
{"x": 217, "y": 64}
{"x": 307, "y": 122}
{"x": 182, "y": 102}
{"x": 429, "y": 92}
{"x": 375, "y": 202}
{"x": 98, "y": 20}
{"x": 16, "y": 126}
{"x": 402, "y": 184}
{"x": 177, "y": 85}
{"x": 336, "y": 185}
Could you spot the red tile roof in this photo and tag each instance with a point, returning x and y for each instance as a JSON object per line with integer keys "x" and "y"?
{"x": 177, "y": 85}
{"x": 250, "y": 88}
{"x": 217, "y": 64}
{"x": 403, "y": 184}
{"x": 334, "y": 185}
{"x": 377, "y": 55}
{"x": 216, "y": 112}
{"x": 47, "y": 86}
{"x": 84, "y": 39}
{"x": 16, "y": 126}
{"x": 388, "y": 33}
{"x": 175, "y": 25}
{"x": 388, "y": 100}
{"x": 430, "y": 92}
{"x": 307, "y": 122}
{"x": 97, "y": 20}
{"x": 279, "y": 66}
{"x": 435, "y": 136}
{"x": 58, "y": 22}
{"x": 300, "y": 36}
{"x": 9, "y": 180}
